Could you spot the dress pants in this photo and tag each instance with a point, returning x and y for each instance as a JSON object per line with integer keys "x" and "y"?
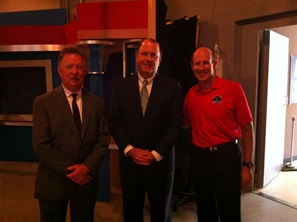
{"x": 217, "y": 181}
{"x": 82, "y": 206}
{"x": 138, "y": 180}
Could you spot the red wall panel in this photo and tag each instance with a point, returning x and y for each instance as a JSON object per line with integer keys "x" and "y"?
{"x": 14, "y": 35}
{"x": 113, "y": 15}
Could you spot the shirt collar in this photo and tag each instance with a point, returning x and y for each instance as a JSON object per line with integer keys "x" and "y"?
{"x": 215, "y": 85}
{"x": 148, "y": 79}
{"x": 68, "y": 92}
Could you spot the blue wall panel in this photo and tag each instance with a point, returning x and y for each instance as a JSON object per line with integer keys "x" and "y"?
{"x": 38, "y": 17}
{"x": 16, "y": 144}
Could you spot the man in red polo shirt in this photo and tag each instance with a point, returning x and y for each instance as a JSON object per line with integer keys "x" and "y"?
{"x": 218, "y": 113}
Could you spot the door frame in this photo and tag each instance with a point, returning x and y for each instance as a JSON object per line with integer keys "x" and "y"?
{"x": 251, "y": 78}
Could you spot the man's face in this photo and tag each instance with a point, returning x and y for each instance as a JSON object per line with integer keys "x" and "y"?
{"x": 72, "y": 71}
{"x": 203, "y": 65}
{"x": 148, "y": 58}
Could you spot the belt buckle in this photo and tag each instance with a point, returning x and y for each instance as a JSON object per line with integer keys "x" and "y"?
{"x": 213, "y": 148}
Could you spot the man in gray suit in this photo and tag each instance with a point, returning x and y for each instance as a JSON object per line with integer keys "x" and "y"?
{"x": 145, "y": 134}
{"x": 70, "y": 151}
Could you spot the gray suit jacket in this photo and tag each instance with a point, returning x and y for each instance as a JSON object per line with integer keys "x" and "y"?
{"x": 58, "y": 145}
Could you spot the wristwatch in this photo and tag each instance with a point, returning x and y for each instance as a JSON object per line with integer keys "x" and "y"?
{"x": 249, "y": 165}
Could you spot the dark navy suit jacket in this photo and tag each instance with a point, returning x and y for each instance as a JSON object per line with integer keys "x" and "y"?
{"x": 158, "y": 129}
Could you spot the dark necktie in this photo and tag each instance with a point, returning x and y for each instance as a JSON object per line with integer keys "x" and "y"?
{"x": 76, "y": 114}
{"x": 144, "y": 95}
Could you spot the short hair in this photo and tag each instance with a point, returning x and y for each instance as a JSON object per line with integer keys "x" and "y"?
{"x": 70, "y": 50}
{"x": 151, "y": 40}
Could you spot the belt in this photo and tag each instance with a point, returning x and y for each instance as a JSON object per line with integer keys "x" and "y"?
{"x": 217, "y": 147}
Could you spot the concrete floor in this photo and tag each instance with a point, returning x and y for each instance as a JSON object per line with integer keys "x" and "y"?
{"x": 18, "y": 205}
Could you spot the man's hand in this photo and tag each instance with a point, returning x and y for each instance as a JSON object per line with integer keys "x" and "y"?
{"x": 141, "y": 157}
{"x": 80, "y": 174}
{"x": 246, "y": 177}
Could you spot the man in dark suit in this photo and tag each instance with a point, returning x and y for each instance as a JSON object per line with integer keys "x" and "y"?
{"x": 69, "y": 151}
{"x": 146, "y": 134}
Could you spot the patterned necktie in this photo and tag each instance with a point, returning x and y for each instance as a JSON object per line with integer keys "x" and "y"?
{"x": 144, "y": 96}
{"x": 76, "y": 114}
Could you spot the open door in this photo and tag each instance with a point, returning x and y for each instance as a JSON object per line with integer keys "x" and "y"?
{"x": 273, "y": 82}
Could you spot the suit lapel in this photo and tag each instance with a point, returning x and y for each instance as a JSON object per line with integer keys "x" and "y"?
{"x": 135, "y": 94}
{"x": 86, "y": 105}
{"x": 154, "y": 95}
{"x": 65, "y": 109}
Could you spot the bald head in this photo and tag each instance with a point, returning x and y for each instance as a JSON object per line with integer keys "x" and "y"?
{"x": 203, "y": 66}
{"x": 202, "y": 51}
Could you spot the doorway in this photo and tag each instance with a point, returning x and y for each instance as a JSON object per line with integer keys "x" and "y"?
{"x": 272, "y": 102}
{"x": 247, "y": 70}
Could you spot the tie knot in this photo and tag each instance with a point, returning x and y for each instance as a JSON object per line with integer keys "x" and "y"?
{"x": 144, "y": 83}
{"x": 74, "y": 95}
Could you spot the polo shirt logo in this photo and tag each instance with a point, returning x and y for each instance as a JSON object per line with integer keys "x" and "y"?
{"x": 217, "y": 99}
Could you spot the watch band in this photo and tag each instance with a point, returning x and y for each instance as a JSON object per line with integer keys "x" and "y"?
{"x": 249, "y": 165}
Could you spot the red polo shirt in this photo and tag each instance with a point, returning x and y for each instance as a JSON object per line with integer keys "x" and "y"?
{"x": 217, "y": 114}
